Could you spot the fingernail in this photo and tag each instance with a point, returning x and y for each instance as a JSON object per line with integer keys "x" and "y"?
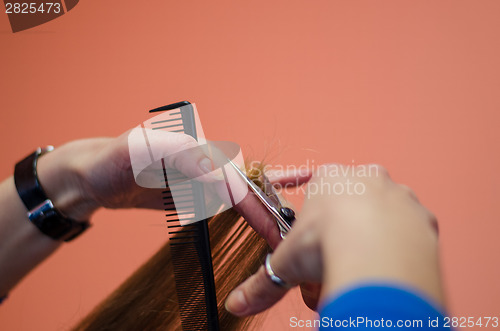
{"x": 236, "y": 303}
{"x": 206, "y": 165}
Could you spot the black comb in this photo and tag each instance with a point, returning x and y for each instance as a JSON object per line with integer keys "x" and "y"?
{"x": 189, "y": 244}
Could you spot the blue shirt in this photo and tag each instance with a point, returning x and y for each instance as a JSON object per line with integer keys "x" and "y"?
{"x": 379, "y": 306}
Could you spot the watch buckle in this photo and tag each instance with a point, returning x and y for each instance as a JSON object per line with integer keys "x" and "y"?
{"x": 41, "y": 210}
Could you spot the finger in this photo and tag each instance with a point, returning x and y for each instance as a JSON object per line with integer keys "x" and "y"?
{"x": 295, "y": 261}
{"x": 260, "y": 219}
{"x": 258, "y": 216}
{"x": 256, "y": 294}
{"x": 290, "y": 178}
{"x": 150, "y": 151}
{"x": 179, "y": 151}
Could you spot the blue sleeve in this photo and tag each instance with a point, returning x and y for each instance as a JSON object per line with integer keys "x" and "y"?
{"x": 374, "y": 307}
{"x": 3, "y": 298}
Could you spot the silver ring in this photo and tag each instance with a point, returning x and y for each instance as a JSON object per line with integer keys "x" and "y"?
{"x": 272, "y": 276}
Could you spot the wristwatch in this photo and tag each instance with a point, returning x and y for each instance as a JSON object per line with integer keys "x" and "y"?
{"x": 41, "y": 210}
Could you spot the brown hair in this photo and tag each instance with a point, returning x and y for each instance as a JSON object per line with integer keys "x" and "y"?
{"x": 147, "y": 300}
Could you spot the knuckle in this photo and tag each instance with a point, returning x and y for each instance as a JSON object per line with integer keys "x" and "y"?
{"x": 120, "y": 158}
{"x": 379, "y": 170}
{"x": 408, "y": 190}
{"x": 433, "y": 220}
{"x": 184, "y": 141}
{"x": 432, "y": 217}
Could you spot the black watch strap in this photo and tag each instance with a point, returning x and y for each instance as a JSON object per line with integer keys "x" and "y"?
{"x": 41, "y": 210}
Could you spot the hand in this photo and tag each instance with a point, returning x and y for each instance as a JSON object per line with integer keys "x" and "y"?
{"x": 85, "y": 175}
{"x": 341, "y": 238}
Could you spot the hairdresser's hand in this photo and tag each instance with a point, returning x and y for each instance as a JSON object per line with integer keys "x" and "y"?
{"x": 79, "y": 177}
{"x": 366, "y": 229}
{"x": 99, "y": 173}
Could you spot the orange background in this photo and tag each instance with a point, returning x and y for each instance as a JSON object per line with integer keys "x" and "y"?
{"x": 413, "y": 85}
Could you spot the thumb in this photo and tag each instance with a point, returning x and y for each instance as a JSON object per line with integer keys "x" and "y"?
{"x": 296, "y": 260}
{"x": 150, "y": 151}
{"x": 256, "y": 294}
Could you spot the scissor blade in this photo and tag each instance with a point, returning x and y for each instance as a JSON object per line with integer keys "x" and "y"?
{"x": 270, "y": 192}
{"x": 271, "y": 203}
{"x": 260, "y": 194}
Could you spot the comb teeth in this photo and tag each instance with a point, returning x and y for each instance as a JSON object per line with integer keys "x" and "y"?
{"x": 192, "y": 298}
{"x": 189, "y": 240}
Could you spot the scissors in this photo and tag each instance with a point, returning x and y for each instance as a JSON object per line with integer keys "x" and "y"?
{"x": 284, "y": 216}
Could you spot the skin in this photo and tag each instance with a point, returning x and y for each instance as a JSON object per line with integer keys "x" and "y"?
{"x": 337, "y": 241}
{"x": 341, "y": 240}
{"x": 84, "y": 176}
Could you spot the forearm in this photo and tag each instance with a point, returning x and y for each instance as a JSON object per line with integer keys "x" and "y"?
{"x": 22, "y": 244}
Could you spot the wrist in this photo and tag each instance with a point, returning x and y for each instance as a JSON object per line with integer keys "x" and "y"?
{"x": 62, "y": 177}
